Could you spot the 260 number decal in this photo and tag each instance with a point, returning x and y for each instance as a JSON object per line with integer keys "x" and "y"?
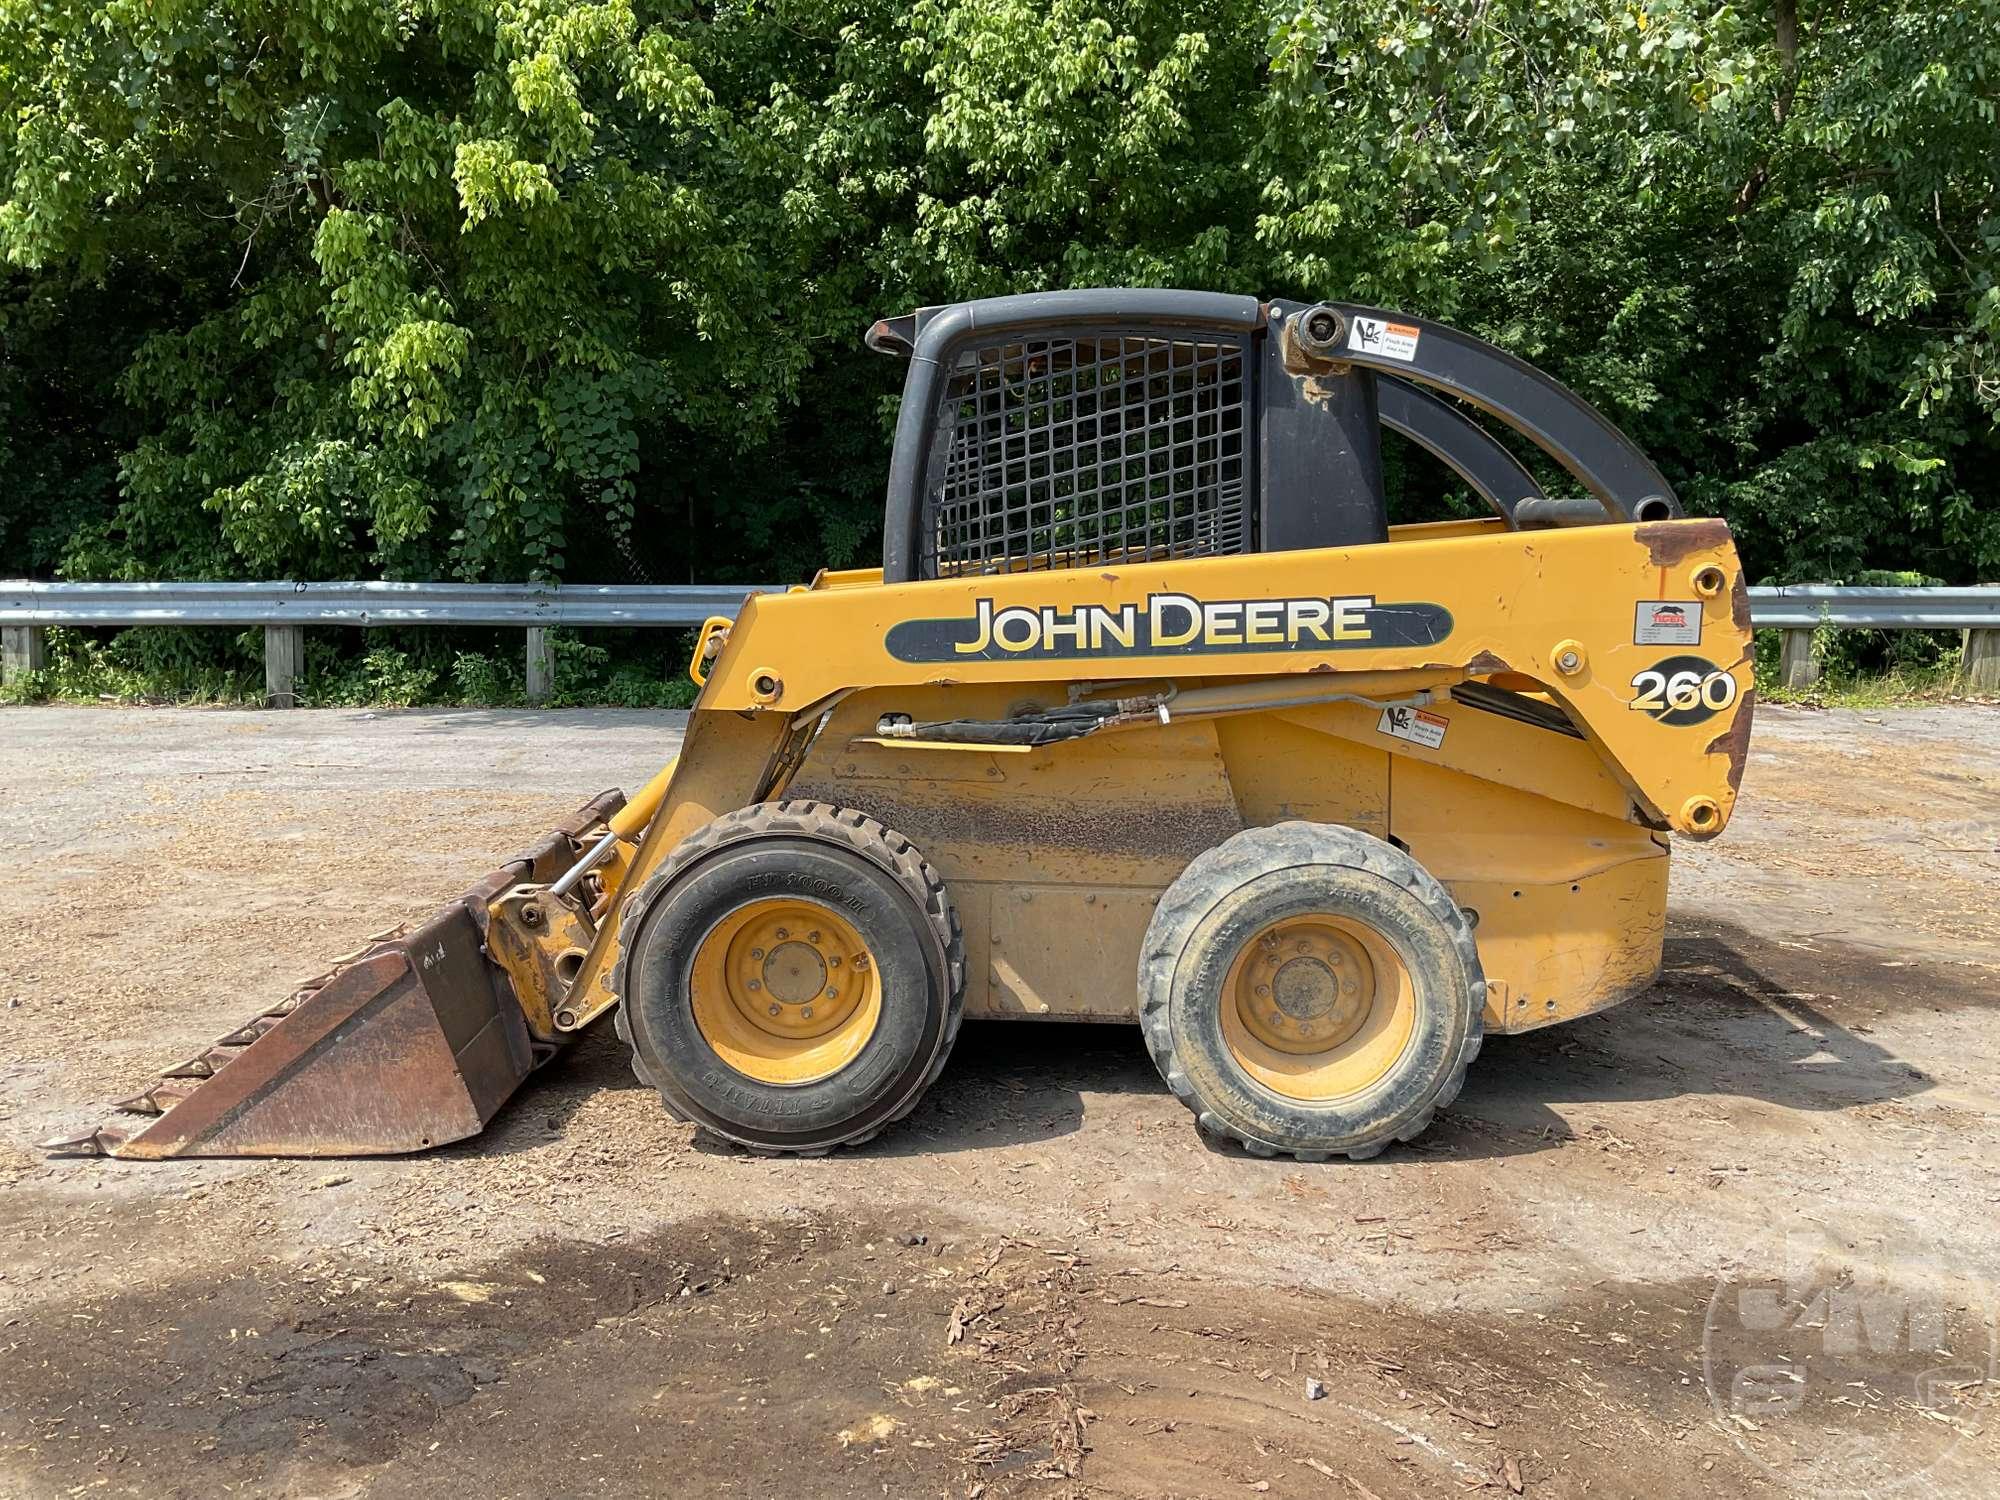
{"x": 1683, "y": 690}
{"x": 1659, "y": 692}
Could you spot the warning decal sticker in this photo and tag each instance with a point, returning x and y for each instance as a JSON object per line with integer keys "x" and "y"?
{"x": 1418, "y": 726}
{"x": 1379, "y": 336}
{"x": 1666, "y": 622}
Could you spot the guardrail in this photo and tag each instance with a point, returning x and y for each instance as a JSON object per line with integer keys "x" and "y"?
{"x": 285, "y": 609}
{"x": 1805, "y": 606}
{"x": 543, "y": 606}
{"x": 27, "y": 608}
{"x": 1800, "y": 609}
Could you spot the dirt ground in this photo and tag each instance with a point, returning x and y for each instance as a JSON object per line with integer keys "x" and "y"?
{"x": 1734, "y": 1238}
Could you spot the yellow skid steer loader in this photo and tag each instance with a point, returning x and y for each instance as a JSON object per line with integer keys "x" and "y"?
{"x": 1148, "y": 714}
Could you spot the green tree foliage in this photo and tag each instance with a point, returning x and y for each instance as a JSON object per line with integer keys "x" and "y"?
{"x": 522, "y": 288}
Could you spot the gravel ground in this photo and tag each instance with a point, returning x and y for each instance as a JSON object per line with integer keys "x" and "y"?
{"x": 1733, "y": 1238}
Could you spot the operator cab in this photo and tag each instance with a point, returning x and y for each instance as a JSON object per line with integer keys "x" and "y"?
{"x": 1083, "y": 428}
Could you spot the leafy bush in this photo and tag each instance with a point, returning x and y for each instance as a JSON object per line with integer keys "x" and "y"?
{"x": 140, "y": 666}
{"x": 589, "y": 674}
{"x": 381, "y": 676}
{"x": 484, "y": 681}
{"x": 456, "y": 288}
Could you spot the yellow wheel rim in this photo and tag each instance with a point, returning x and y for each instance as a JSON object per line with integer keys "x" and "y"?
{"x": 785, "y": 991}
{"x": 1318, "y": 1008}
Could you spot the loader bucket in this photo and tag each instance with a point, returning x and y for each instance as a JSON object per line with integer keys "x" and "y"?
{"x": 414, "y": 1041}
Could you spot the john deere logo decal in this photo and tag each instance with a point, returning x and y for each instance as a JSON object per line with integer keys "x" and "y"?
{"x": 1169, "y": 625}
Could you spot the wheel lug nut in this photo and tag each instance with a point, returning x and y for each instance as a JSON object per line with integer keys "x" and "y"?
{"x": 833, "y": 961}
{"x": 755, "y": 985}
{"x": 1263, "y": 989}
{"x": 812, "y": 937}
{"x": 807, "y": 1013}
{"x": 774, "y": 1010}
{"x": 782, "y": 933}
{"x": 833, "y": 994}
{"x": 1303, "y": 947}
{"x": 756, "y": 952}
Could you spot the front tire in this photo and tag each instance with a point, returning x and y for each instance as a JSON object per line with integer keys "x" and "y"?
{"x": 1311, "y": 990}
{"x": 792, "y": 978}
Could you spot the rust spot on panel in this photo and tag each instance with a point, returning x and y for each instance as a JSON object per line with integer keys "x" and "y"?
{"x": 1486, "y": 661}
{"x": 1671, "y": 542}
{"x": 1739, "y": 602}
{"x": 1735, "y": 740}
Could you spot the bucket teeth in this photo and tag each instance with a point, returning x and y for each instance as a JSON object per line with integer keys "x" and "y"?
{"x": 180, "y": 1081}
{"x": 156, "y": 1100}
{"x": 184, "y": 1077}
{"x": 247, "y": 1033}
{"x": 388, "y": 936}
{"x": 205, "y": 1063}
{"x": 90, "y": 1143}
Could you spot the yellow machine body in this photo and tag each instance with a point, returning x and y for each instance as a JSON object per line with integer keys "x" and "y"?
{"x": 1441, "y": 765}
{"x": 1551, "y": 828}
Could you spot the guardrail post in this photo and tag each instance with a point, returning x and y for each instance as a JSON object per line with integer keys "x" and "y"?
{"x": 541, "y": 665}
{"x": 1796, "y": 667}
{"x": 1982, "y": 661}
{"x": 284, "y": 659}
{"x": 23, "y": 649}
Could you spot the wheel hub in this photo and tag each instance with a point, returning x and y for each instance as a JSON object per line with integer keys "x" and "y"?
{"x": 1305, "y": 989}
{"x": 794, "y": 973}
{"x": 1305, "y": 986}
{"x": 785, "y": 990}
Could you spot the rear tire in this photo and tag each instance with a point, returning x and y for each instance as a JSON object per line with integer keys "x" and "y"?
{"x": 792, "y": 978}
{"x": 1311, "y": 990}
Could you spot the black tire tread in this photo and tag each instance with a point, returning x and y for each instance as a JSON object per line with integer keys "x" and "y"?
{"x": 1229, "y": 864}
{"x": 843, "y": 827}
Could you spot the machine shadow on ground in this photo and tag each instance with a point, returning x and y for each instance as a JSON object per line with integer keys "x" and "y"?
{"x": 1722, "y": 1023}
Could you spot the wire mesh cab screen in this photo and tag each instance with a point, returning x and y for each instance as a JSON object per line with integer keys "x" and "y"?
{"x": 1062, "y": 451}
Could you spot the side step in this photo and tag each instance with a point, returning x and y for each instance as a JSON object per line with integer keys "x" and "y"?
{"x": 414, "y": 1041}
